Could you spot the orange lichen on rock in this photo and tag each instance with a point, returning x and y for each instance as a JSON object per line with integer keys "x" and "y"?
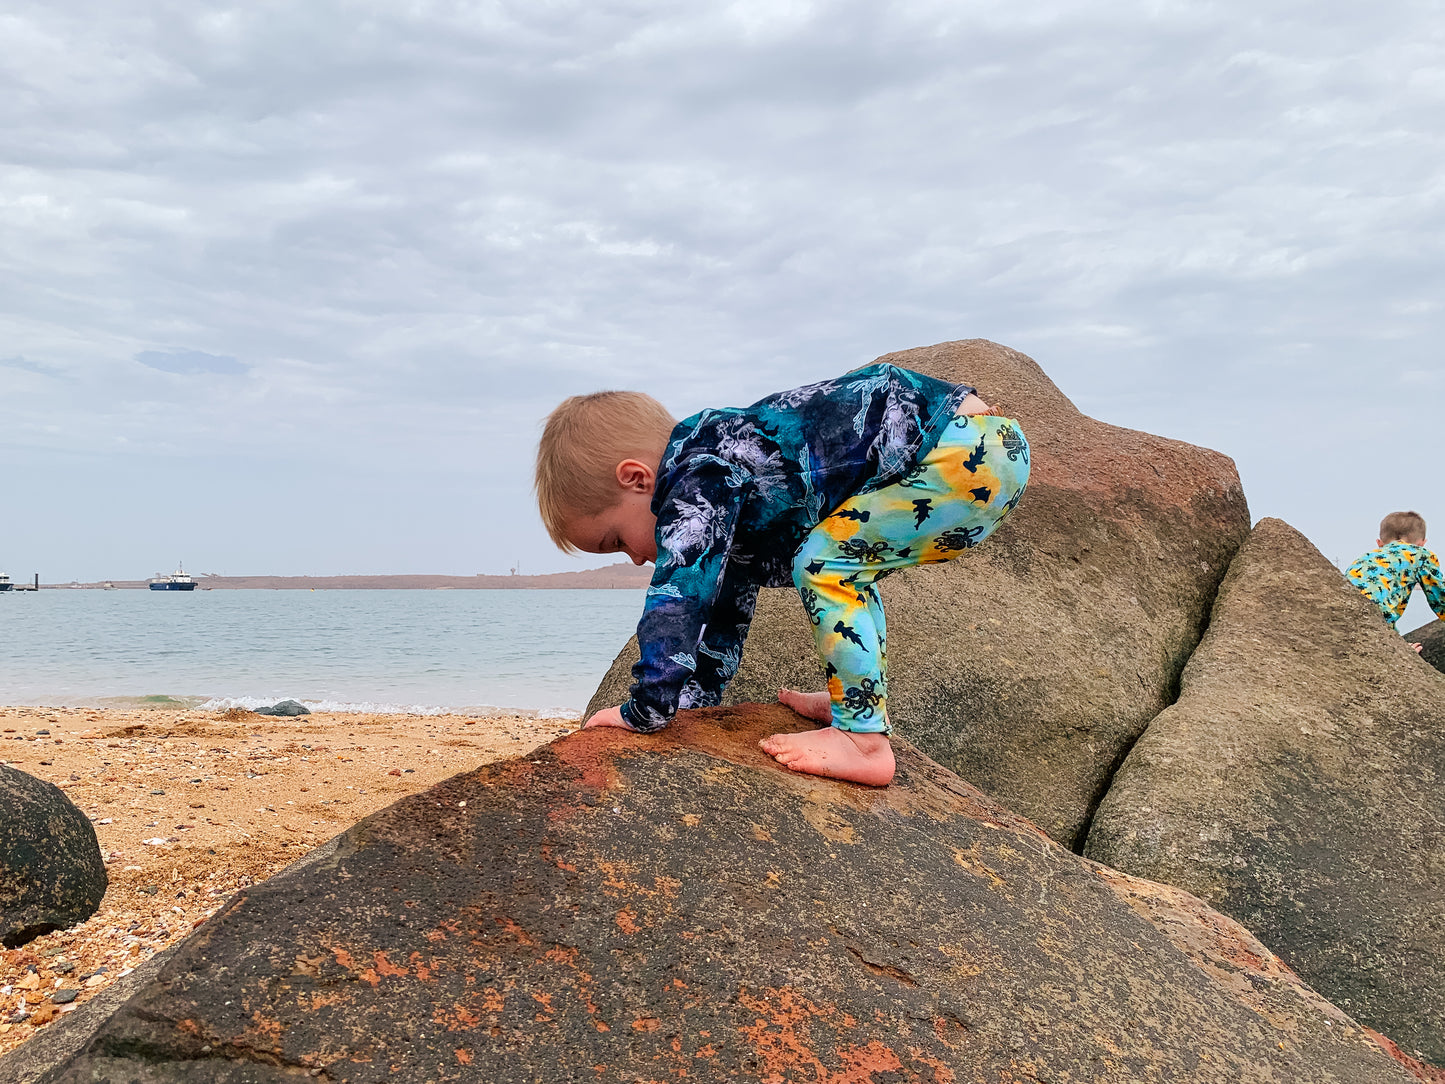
{"x": 457, "y": 1018}
{"x": 627, "y": 920}
{"x": 385, "y": 966}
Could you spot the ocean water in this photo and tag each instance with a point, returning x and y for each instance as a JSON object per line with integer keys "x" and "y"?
{"x": 421, "y": 651}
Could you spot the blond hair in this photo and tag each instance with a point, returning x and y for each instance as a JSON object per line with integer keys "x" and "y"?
{"x": 1403, "y": 527}
{"x": 582, "y": 442}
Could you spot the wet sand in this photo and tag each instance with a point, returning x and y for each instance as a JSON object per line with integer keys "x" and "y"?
{"x": 190, "y": 806}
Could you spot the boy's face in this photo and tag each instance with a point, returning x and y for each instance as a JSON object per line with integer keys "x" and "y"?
{"x": 628, "y": 526}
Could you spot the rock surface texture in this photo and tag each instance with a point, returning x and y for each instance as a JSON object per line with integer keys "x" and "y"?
{"x": 51, "y": 871}
{"x": 1030, "y": 665}
{"x": 1297, "y": 785}
{"x": 624, "y": 908}
{"x": 1432, "y": 636}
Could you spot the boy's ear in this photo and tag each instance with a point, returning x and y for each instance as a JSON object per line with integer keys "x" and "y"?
{"x": 636, "y": 476}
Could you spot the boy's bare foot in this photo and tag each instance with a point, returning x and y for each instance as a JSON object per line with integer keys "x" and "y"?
{"x": 837, "y": 754}
{"x": 815, "y": 706}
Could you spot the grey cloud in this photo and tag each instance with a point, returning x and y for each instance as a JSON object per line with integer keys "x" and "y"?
{"x": 29, "y": 366}
{"x": 189, "y": 362}
{"x": 422, "y": 225}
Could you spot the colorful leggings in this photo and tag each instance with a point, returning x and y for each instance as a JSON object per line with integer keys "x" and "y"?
{"x": 950, "y": 502}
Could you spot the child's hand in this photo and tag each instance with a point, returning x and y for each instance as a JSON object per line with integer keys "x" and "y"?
{"x": 608, "y": 717}
{"x": 1418, "y": 648}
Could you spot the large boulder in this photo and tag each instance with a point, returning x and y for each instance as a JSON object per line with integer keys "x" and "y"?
{"x": 619, "y": 908}
{"x": 1432, "y": 637}
{"x": 1297, "y": 786}
{"x": 1030, "y": 665}
{"x": 52, "y": 874}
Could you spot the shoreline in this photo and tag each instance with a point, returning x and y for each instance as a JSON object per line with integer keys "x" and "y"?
{"x": 197, "y": 703}
{"x": 609, "y": 578}
{"x": 191, "y": 806}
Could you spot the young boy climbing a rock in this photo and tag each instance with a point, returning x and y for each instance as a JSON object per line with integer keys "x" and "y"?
{"x": 1389, "y": 573}
{"x": 829, "y": 487}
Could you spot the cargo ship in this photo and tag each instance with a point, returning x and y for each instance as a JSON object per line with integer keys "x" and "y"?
{"x": 176, "y": 581}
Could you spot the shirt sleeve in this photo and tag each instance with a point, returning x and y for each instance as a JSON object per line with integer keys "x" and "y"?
{"x": 721, "y": 648}
{"x": 1432, "y": 585}
{"x": 696, "y": 521}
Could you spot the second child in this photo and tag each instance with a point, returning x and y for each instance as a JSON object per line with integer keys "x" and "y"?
{"x": 1389, "y": 573}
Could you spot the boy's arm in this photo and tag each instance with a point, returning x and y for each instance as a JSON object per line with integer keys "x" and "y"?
{"x": 717, "y": 656}
{"x": 695, "y": 527}
{"x": 1432, "y": 584}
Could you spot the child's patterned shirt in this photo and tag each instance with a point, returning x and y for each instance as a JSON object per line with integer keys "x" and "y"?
{"x": 1386, "y": 577}
{"x": 738, "y": 490}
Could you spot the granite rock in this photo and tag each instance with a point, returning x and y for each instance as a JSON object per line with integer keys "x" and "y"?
{"x": 52, "y": 874}
{"x": 1432, "y": 636}
{"x": 617, "y": 908}
{"x": 285, "y": 707}
{"x": 1296, "y": 786}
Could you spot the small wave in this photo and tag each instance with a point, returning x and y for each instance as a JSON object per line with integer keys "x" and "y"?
{"x": 370, "y": 707}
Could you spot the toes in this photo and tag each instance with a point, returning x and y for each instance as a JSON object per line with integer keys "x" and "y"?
{"x": 780, "y": 749}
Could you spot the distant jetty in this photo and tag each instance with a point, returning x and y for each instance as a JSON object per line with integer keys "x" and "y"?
{"x": 612, "y": 577}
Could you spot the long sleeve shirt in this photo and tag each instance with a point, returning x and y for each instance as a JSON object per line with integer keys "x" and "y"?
{"x": 1387, "y": 576}
{"x": 737, "y": 492}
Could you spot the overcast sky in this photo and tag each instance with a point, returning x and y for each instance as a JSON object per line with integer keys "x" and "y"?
{"x": 286, "y": 287}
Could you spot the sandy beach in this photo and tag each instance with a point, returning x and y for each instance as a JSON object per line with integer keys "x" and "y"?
{"x": 190, "y": 806}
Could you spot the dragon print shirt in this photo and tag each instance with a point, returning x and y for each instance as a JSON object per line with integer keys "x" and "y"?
{"x": 738, "y": 490}
{"x": 1388, "y": 575}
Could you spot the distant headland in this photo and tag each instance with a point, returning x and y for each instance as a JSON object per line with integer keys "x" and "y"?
{"x": 613, "y": 576}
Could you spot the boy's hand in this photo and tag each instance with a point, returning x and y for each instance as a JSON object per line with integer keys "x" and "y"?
{"x": 1418, "y": 648}
{"x": 608, "y": 717}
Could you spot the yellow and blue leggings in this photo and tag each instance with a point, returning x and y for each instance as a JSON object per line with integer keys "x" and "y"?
{"x": 950, "y": 502}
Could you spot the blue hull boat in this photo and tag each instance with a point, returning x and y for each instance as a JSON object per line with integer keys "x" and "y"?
{"x": 176, "y": 581}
